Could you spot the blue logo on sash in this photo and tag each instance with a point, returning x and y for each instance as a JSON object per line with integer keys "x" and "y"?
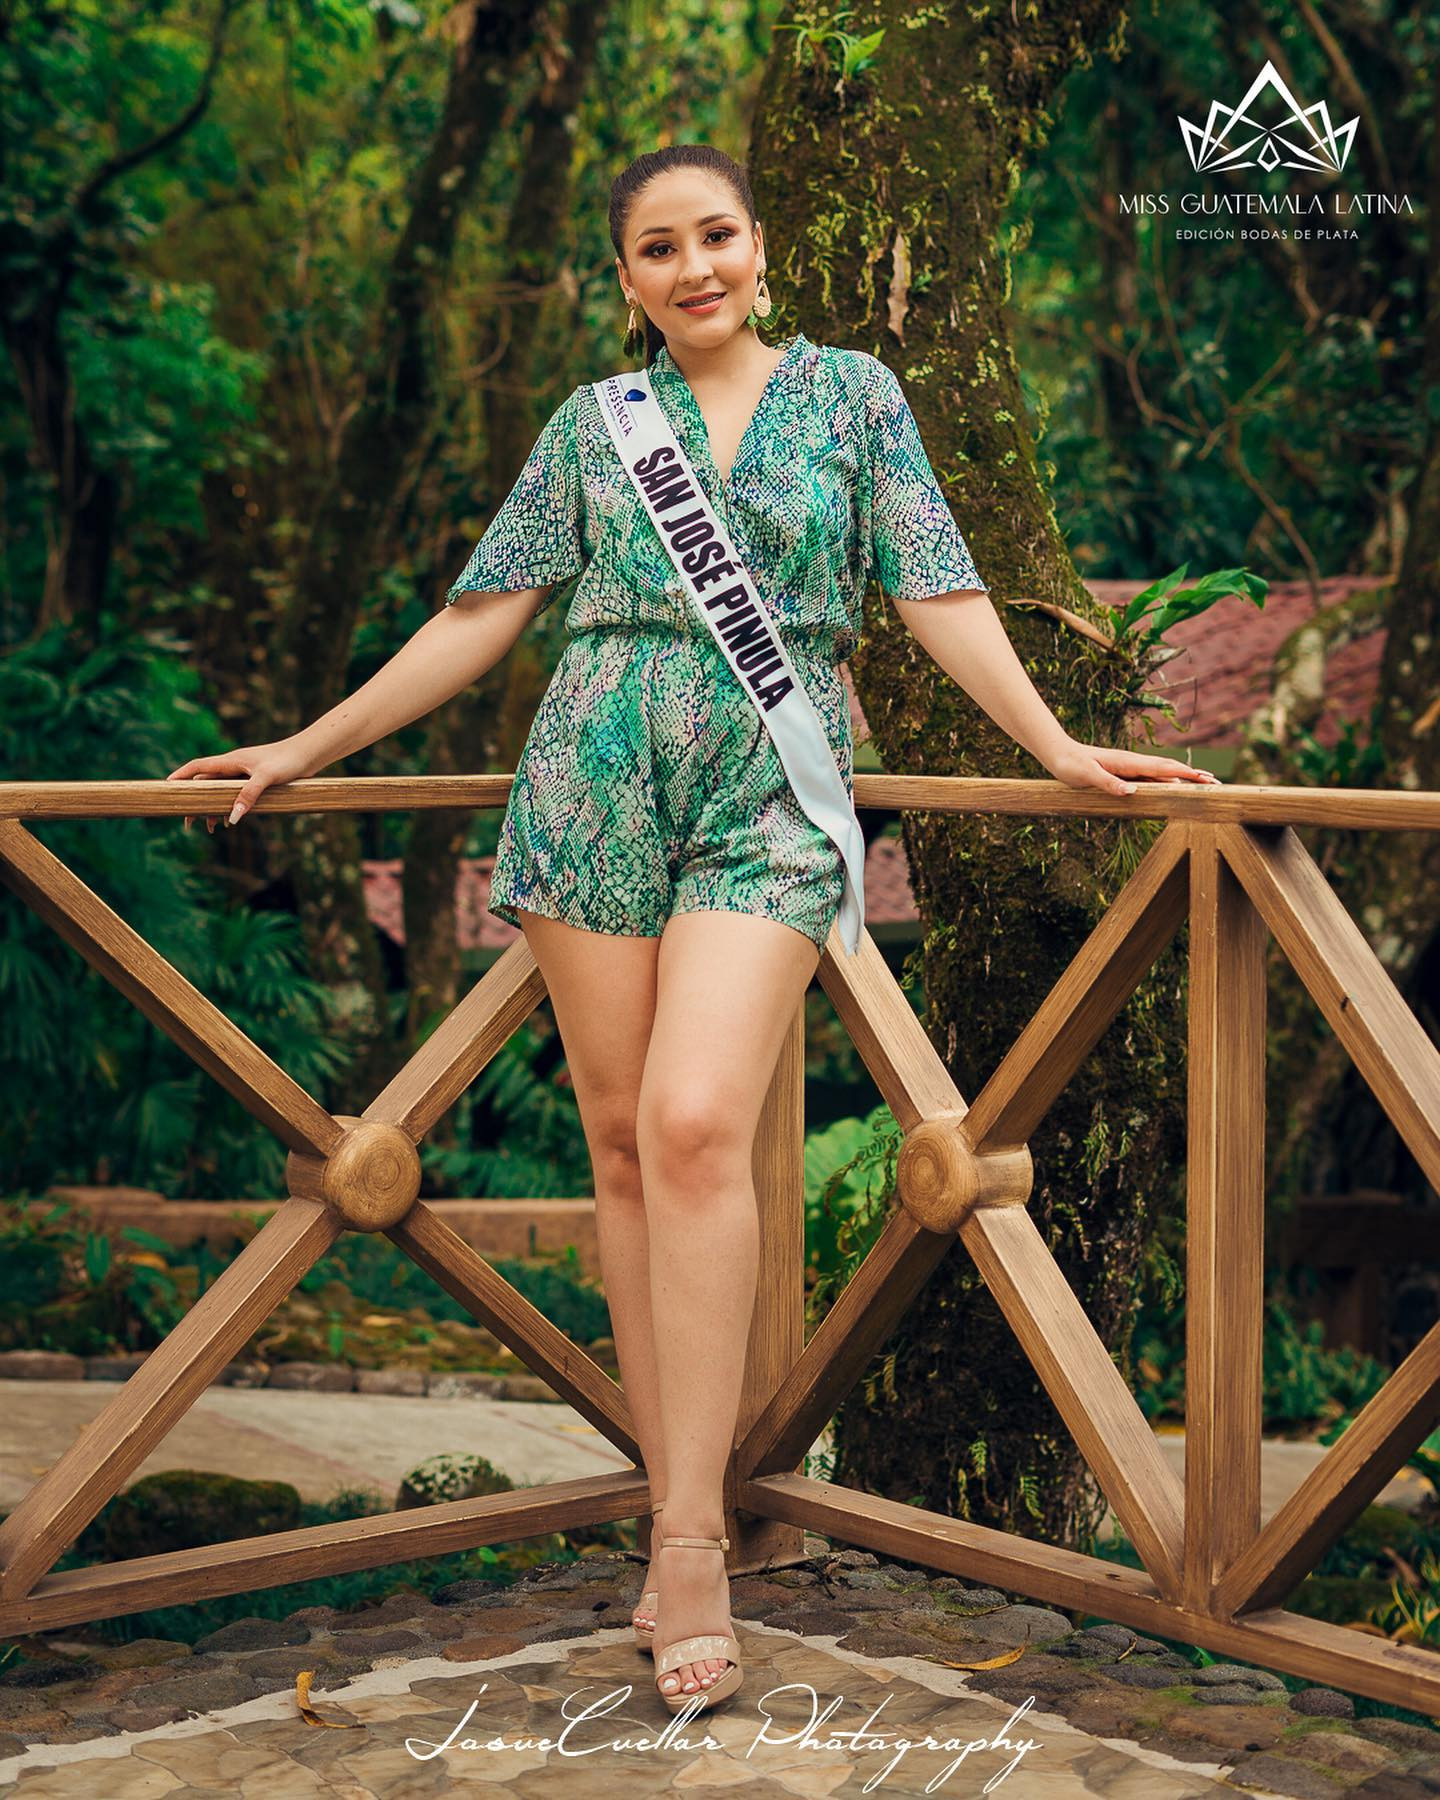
{"x": 635, "y": 394}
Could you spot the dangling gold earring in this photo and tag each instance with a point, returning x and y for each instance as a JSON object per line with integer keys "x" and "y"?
{"x": 760, "y": 307}
{"x": 634, "y": 337}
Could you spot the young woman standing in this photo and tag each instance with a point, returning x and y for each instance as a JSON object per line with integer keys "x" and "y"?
{"x": 673, "y": 890}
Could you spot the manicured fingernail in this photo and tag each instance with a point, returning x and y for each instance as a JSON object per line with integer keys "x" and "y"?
{"x": 236, "y": 812}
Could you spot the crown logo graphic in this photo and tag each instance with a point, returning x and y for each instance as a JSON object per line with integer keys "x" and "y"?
{"x": 1304, "y": 139}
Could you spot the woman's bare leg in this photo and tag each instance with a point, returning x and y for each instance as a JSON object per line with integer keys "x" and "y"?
{"x": 728, "y": 985}
{"x": 602, "y": 990}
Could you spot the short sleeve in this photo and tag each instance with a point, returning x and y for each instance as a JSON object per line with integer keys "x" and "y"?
{"x": 916, "y": 550}
{"x": 535, "y": 539}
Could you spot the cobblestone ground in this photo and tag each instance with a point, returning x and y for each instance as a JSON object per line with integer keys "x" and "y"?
{"x": 1102, "y": 1711}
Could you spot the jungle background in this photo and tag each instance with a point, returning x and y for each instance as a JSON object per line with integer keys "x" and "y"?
{"x": 288, "y": 288}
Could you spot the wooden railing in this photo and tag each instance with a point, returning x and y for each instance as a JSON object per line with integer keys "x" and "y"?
{"x": 1228, "y": 858}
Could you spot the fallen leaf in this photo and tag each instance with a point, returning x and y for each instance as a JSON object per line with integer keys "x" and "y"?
{"x": 308, "y": 1712}
{"x": 994, "y": 1662}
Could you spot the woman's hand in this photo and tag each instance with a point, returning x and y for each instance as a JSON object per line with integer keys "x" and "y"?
{"x": 267, "y": 765}
{"x": 1117, "y": 771}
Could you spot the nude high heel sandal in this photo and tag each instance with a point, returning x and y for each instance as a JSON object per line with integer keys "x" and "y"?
{"x": 645, "y": 1634}
{"x": 697, "y": 1649}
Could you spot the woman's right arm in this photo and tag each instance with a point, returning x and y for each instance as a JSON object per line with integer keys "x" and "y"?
{"x": 453, "y": 648}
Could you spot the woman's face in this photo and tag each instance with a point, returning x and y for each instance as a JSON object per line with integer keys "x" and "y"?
{"x": 687, "y": 236}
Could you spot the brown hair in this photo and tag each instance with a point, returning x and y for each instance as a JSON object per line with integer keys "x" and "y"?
{"x": 627, "y": 185}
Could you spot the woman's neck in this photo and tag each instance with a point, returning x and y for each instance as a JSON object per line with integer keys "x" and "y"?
{"x": 738, "y": 359}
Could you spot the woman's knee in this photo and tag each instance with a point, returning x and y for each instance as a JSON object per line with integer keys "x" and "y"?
{"x": 615, "y": 1156}
{"x": 685, "y": 1133}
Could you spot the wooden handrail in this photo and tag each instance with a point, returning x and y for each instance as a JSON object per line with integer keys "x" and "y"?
{"x": 1366, "y": 809}
{"x": 1228, "y": 861}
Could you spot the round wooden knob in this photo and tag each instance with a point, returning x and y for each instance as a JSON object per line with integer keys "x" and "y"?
{"x": 941, "y": 1180}
{"x": 371, "y": 1178}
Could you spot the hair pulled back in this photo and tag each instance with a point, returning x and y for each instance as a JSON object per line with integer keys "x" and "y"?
{"x": 628, "y": 184}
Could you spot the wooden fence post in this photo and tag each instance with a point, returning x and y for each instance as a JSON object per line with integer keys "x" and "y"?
{"x": 777, "y": 1326}
{"x": 1225, "y": 1220}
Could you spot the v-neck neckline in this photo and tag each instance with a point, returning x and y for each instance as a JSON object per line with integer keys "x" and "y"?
{"x": 675, "y": 376}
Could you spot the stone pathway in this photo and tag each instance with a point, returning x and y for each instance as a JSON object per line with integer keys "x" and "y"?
{"x": 468, "y": 1687}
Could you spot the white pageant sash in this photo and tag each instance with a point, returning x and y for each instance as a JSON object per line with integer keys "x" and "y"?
{"x": 725, "y": 596}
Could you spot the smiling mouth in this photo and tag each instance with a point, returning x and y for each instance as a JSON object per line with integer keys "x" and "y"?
{"x": 699, "y": 300}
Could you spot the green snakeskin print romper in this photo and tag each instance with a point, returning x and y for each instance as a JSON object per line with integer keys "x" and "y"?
{"x": 649, "y": 784}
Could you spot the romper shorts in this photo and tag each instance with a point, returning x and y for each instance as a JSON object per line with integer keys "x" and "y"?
{"x": 649, "y": 785}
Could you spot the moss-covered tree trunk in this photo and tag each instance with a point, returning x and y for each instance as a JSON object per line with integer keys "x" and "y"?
{"x": 884, "y": 206}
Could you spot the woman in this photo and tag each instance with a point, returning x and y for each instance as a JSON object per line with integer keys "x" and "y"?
{"x": 674, "y": 894}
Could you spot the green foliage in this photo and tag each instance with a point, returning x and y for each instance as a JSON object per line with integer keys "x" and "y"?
{"x": 33, "y": 1249}
{"x": 63, "y": 1287}
{"x": 849, "y": 1184}
{"x": 94, "y": 1092}
{"x": 825, "y": 44}
{"x": 1305, "y": 1384}
{"x": 1165, "y": 603}
{"x": 517, "y": 1133}
{"x": 163, "y": 399}
{"x": 1412, "y": 1615}
{"x": 375, "y": 1271}
{"x": 1186, "y": 401}
{"x": 1347, "y": 762}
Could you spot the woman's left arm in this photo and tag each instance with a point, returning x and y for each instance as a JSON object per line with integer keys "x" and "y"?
{"x": 963, "y": 633}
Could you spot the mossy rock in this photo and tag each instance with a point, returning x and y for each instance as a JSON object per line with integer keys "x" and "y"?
{"x": 454, "y": 1475}
{"x": 458, "y": 1475}
{"x": 182, "y": 1509}
{"x": 1340, "y": 1599}
{"x": 1379, "y": 1526}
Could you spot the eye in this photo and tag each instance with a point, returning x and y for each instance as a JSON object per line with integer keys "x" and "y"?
{"x": 721, "y": 231}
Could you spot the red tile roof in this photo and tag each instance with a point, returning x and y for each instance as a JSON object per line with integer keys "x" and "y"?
{"x": 1221, "y": 675}
{"x": 1223, "y": 672}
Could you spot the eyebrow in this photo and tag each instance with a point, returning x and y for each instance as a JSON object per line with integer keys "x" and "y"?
{"x": 669, "y": 230}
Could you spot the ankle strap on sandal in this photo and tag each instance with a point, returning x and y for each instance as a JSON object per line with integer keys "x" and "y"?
{"x": 720, "y": 1543}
